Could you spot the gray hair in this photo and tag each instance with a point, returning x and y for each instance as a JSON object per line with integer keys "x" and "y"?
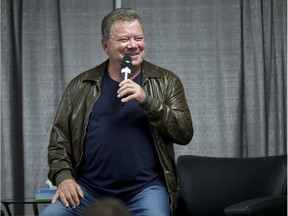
{"x": 119, "y": 14}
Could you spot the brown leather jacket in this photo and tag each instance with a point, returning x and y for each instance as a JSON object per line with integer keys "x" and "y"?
{"x": 165, "y": 107}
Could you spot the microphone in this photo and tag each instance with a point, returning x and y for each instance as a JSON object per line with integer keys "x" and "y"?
{"x": 126, "y": 65}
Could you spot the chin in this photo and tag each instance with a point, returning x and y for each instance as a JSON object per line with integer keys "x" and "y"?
{"x": 137, "y": 60}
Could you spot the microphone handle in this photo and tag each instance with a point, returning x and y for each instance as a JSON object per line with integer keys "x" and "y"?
{"x": 125, "y": 73}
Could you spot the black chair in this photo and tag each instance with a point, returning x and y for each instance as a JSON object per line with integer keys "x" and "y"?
{"x": 211, "y": 186}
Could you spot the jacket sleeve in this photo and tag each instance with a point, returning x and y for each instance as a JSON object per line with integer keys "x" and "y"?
{"x": 59, "y": 149}
{"x": 167, "y": 109}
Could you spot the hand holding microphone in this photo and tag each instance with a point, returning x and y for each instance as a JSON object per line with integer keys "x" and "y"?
{"x": 129, "y": 90}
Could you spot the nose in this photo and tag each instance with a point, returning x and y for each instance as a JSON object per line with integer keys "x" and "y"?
{"x": 132, "y": 43}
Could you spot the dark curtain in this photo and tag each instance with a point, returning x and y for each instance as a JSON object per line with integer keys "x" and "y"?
{"x": 231, "y": 56}
{"x": 43, "y": 45}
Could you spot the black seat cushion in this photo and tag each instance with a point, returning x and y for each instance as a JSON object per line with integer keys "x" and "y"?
{"x": 209, "y": 184}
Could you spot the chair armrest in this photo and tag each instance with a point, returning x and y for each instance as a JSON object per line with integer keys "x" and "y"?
{"x": 264, "y": 206}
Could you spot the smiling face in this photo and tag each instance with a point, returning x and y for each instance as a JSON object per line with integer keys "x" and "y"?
{"x": 126, "y": 38}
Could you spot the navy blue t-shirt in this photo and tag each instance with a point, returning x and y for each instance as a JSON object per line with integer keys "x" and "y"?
{"x": 119, "y": 154}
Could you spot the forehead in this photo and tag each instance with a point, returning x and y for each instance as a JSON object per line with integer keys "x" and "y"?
{"x": 120, "y": 26}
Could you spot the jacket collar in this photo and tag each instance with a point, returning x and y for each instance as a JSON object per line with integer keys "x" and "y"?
{"x": 95, "y": 74}
{"x": 150, "y": 70}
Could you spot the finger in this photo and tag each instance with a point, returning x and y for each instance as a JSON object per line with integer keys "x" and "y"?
{"x": 124, "y": 86}
{"x": 79, "y": 191}
{"x": 74, "y": 197}
{"x": 128, "y": 97}
{"x": 63, "y": 199}
{"x": 138, "y": 96}
{"x": 126, "y": 92}
{"x": 55, "y": 197}
{"x": 125, "y": 82}
{"x": 68, "y": 197}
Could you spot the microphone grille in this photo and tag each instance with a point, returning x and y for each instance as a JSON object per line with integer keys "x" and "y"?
{"x": 126, "y": 62}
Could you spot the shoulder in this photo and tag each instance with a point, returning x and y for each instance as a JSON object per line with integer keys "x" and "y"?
{"x": 152, "y": 70}
{"x": 91, "y": 75}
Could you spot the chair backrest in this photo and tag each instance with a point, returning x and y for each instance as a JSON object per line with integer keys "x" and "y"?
{"x": 209, "y": 184}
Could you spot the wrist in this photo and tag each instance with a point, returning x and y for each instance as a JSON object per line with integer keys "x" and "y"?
{"x": 62, "y": 175}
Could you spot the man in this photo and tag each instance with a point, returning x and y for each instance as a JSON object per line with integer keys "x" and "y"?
{"x": 114, "y": 138}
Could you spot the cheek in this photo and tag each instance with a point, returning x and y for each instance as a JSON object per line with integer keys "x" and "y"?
{"x": 115, "y": 47}
{"x": 142, "y": 46}
{"x": 120, "y": 48}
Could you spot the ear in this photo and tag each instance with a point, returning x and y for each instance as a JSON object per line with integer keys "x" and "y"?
{"x": 105, "y": 45}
